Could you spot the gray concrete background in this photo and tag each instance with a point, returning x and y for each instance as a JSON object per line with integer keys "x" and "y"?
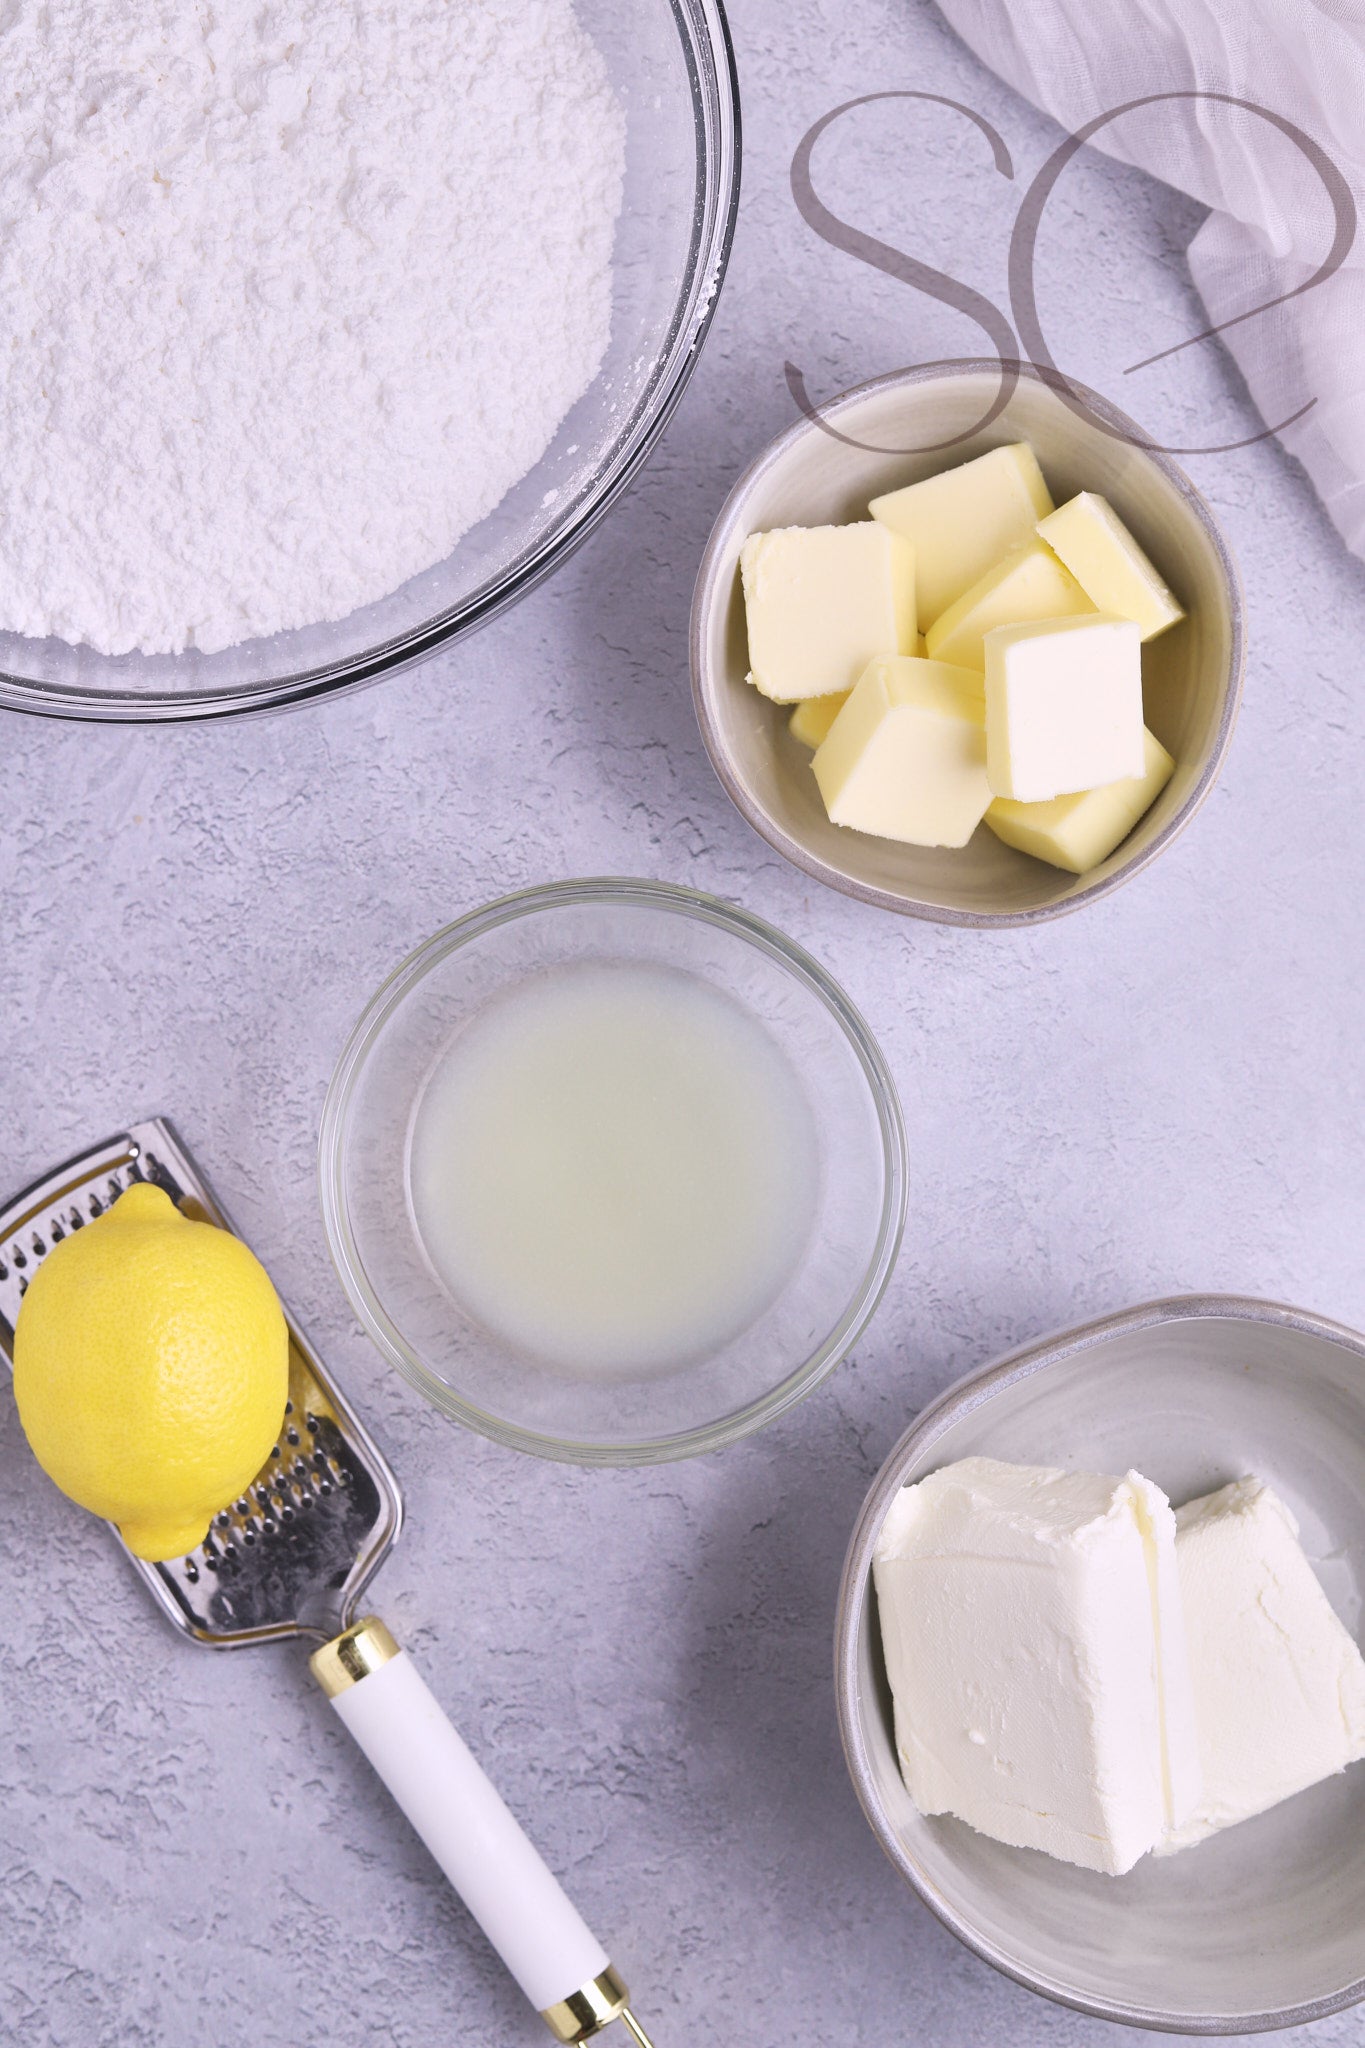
{"x": 1161, "y": 1093}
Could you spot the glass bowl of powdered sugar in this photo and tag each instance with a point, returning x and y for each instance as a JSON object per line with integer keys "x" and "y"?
{"x": 335, "y": 334}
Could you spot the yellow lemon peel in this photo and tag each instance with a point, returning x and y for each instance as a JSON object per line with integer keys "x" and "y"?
{"x": 151, "y": 1368}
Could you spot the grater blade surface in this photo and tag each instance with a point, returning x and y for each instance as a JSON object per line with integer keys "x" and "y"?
{"x": 293, "y": 1554}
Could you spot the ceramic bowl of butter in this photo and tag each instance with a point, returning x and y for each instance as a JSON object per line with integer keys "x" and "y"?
{"x": 1090, "y": 460}
{"x": 1261, "y": 1924}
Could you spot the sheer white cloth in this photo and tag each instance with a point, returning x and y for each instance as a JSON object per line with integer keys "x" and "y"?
{"x": 1271, "y": 222}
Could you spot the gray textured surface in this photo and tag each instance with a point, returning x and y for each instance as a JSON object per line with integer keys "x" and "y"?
{"x": 1162, "y": 1093}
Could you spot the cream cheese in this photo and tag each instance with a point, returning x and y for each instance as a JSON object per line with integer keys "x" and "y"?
{"x": 1033, "y": 1635}
{"x": 1279, "y": 1684}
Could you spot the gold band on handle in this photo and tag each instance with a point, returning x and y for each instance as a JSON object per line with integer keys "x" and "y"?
{"x": 585, "y": 2012}
{"x": 350, "y": 1657}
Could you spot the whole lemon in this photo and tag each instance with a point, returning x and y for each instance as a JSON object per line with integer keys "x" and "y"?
{"x": 151, "y": 1367}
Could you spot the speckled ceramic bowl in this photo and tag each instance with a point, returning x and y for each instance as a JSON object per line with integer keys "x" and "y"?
{"x": 1192, "y": 676}
{"x": 1263, "y": 1925}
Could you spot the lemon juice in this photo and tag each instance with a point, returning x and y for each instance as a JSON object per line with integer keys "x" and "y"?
{"x": 613, "y": 1168}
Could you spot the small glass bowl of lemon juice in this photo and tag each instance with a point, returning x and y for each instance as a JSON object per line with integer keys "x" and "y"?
{"x": 612, "y": 1171}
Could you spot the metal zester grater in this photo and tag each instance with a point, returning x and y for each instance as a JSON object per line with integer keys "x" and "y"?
{"x": 292, "y": 1557}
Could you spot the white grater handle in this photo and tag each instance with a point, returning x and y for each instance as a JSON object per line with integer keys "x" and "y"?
{"x": 386, "y": 1705}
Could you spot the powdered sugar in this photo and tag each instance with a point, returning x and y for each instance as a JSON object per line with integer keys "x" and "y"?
{"x": 289, "y": 298}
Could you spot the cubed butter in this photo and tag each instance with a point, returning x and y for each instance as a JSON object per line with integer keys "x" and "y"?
{"x": 811, "y": 720}
{"x": 1279, "y": 1685}
{"x": 964, "y": 519}
{"x": 1107, "y": 562}
{"x": 1034, "y": 1640}
{"x": 820, "y": 601}
{"x": 1029, "y": 583}
{"x": 813, "y": 717}
{"x": 1077, "y": 832}
{"x": 906, "y": 756}
{"x": 1063, "y": 707}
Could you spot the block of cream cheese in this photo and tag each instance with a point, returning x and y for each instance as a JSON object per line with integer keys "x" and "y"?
{"x": 964, "y": 519}
{"x": 1078, "y": 832}
{"x": 1108, "y": 564}
{"x": 906, "y": 756}
{"x": 813, "y": 717}
{"x": 1030, "y": 583}
{"x": 820, "y": 601}
{"x": 1033, "y": 1637}
{"x": 1063, "y": 707}
{"x": 1279, "y": 1685}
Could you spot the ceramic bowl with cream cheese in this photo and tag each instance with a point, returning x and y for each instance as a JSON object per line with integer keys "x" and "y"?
{"x": 1263, "y": 1924}
{"x": 816, "y": 475}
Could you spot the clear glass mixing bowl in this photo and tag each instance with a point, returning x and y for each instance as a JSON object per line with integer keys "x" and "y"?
{"x": 673, "y": 70}
{"x": 836, "y": 1279}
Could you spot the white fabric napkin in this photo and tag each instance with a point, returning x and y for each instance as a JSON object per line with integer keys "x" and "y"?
{"x": 1272, "y": 219}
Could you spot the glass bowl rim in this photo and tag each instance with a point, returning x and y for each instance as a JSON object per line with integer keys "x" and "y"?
{"x": 713, "y": 82}
{"x": 670, "y": 899}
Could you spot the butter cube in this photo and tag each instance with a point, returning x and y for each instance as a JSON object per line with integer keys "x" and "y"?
{"x": 1030, "y": 583}
{"x": 1108, "y": 564}
{"x": 821, "y": 601}
{"x": 1077, "y": 832}
{"x": 906, "y": 756}
{"x": 963, "y": 520}
{"x": 1063, "y": 707}
{"x": 813, "y": 717}
{"x": 1279, "y": 1685}
{"x": 1033, "y": 1637}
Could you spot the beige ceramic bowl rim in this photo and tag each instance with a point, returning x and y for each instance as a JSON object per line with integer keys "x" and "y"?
{"x": 709, "y": 591}
{"x": 958, "y": 1400}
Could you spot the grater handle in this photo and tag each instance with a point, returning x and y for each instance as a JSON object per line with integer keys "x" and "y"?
{"x": 385, "y": 1704}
